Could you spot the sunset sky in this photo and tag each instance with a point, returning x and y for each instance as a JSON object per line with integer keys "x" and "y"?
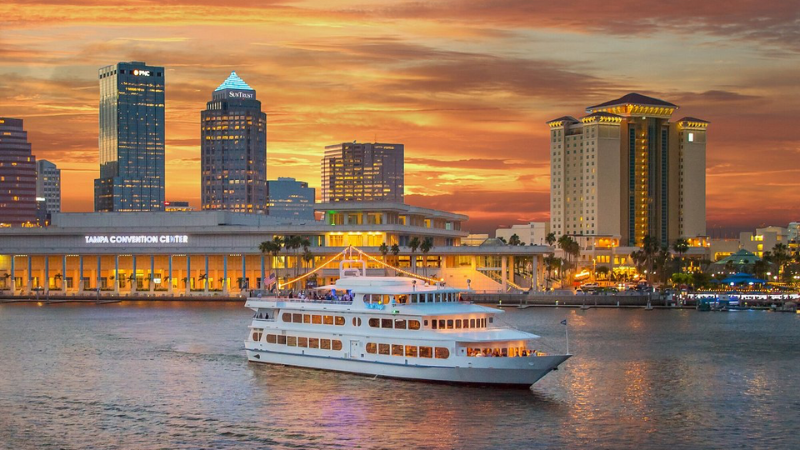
{"x": 467, "y": 86}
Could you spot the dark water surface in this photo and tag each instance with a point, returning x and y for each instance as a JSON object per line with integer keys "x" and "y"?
{"x": 174, "y": 375}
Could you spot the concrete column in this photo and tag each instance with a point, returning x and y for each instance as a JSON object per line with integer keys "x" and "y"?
{"x": 81, "y": 286}
{"x": 504, "y": 272}
{"x": 134, "y": 284}
{"x": 64, "y": 274}
{"x": 46, "y": 284}
{"x": 99, "y": 272}
{"x": 206, "y": 280}
{"x": 152, "y": 272}
{"x": 116, "y": 274}
{"x": 225, "y": 274}
{"x": 30, "y": 276}
{"x": 188, "y": 274}
{"x": 535, "y": 273}
{"x": 169, "y": 286}
{"x": 13, "y": 278}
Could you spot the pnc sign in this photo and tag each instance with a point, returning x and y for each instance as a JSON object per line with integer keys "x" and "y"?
{"x": 141, "y": 73}
{"x": 138, "y": 239}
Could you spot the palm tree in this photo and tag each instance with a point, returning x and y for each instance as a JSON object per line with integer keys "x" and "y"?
{"x": 680, "y": 246}
{"x": 57, "y": 277}
{"x": 514, "y": 240}
{"x": 650, "y": 247}
{"x": 502, "y": 239}
{"x": 660, "y": 262}
{"x": 425, "y": 247}
{"x": 272, "y": 248}
{"x": 781, "y": 256}
{"x": 395, "y": 252}
{"x": 308, "y": 258}
{"x": 550, "y": 239}
{"x": 414, "y": 244}
{"x": 384, "y": 249}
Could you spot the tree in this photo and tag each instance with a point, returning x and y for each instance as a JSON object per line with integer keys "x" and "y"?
{"x": 661, "y": 262}
{"x": 550, "y": 239}
{"x": 384, "y": 249}
{"x": 272, "y": 248}
{"x": 680, "y": 246}
{"x": 780, "y": 256}
{"x": 308, "y": 258}
{"x": 602, "y": 270}
{"x": 760, "y": 268}
{"x": 502, "y": 239}
{"x": 514, "y": 240}
{"x": 425, "y": 247}
{"x": 395, "y": 252}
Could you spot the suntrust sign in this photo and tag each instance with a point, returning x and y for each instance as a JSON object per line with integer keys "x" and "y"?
{"x": 138, "y": 239}
{"x": 240, "y": 94}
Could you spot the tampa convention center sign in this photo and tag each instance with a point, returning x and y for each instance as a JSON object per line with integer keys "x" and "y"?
{"x": 138, "y": 239}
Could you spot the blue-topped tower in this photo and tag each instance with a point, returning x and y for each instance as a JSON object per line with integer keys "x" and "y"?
{"x": 234, "y": 149}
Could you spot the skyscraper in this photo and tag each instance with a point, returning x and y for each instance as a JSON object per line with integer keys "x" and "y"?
{"x": 131, "y": 138}
{"x": 17, "y": 175}
{"x": 48, "y": 185}
{"x": 290, "y": 198}
{"x": 626, "y": 170}
{"x": 234, "y": 149}
{"x": 362, "y": 172}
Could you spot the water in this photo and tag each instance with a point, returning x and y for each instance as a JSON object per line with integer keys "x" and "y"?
{"x": 174, "y": 375}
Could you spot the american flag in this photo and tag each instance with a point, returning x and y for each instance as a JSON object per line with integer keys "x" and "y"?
{"x": 269, "y": 281}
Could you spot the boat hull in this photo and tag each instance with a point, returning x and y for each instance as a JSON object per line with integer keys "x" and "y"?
{"x": 536, "y": 368}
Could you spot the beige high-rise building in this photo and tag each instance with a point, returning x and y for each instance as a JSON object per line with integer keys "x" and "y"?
{"x": 626, "y": 170}
{"x": 362, "y": 172}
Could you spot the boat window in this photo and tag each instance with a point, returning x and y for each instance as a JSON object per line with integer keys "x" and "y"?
{"x": 325, "y": 344}
{"x": 441, "y": 324}
{"x": 281, "y": 339}
{"x": 336, "y": 344}
{"x": 315, "y": 319}
{"x": 504, "y": 352}
{"x": 257, "y": 335}
{"x": 374, "y": 322}
{"x": 411, "y": 351}
{"x": 372, "y": 348}
{"x": 434, "y": 324}
{"x": 491, "y": 319}
{"x": 442, "y": 353}
{"x": 400, "y": 324}
{"x": 271, "y": 339}
{"x": 466, "y": 323}
{"x": 425, "y": 322}
{"x": 472, "y": 323}
{"x": 414, "y": 298}
{"x": 383, "y": 349}
{"x": 449, "y": 324}
{"x": 425, "y": 352}
{"x": 397, "y": 350}
{"x": 291, "y": 341}
{"x": 386, "y": 323}
{"x": 413, "y": 324}
{"x": 306, "y": 318}
{"x": 458, "y": 323}
{"x": 483, "y": 323}
{"x": 297, "y": 318}
{"x": 402, "y": 299}
{"x": 313, "y": 343}
{"x": 286, "y": 317}
{"x": 302, "y": 342}
{"x": 327, "y": 320}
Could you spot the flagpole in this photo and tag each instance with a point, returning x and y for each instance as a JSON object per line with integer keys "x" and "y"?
{"x": 566, "y": 330}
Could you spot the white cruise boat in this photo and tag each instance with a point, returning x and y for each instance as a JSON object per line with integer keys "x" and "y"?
{"x": 394, "y": 327}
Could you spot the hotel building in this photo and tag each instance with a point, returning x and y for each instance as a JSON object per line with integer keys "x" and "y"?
{"x": 625, "y": 170}
{"x": 290, "y": 198}
{"x": 531, "y": 233}
{"x": 48, "y": 185}
{"x": 207, "y": 253}
{"x": 17, "y": 175}
{"x": 234, "y": 149}
{"x": 131, "y": 138}
{"x": 353, "y": 172}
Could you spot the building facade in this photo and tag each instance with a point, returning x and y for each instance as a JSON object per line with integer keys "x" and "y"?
{"x": 234, "y": 149}
{"x": 533, "y": 233}
{"x": 290, "y": 198}
{"x": 131, "y": 138}
{"x": 17, "y": 175}
{"x": 48, "y": 185}
{"x": 353, "y": 172}
{"x": 177, "y": 206}
{"x": 626, "y": 170}
{"x": 207, "y": 253}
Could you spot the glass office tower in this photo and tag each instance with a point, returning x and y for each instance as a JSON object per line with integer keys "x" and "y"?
{"x": 234, "y": 149}
{"x": 363, "y": 172}
{"x": 290, "y": 198}
{"x": 17, "y": 175}
{"x": 131, "y": 138}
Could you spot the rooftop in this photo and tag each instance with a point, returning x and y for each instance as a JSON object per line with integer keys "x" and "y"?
{"x": 633, "y": 99}
{"x": 234, "y": 82}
